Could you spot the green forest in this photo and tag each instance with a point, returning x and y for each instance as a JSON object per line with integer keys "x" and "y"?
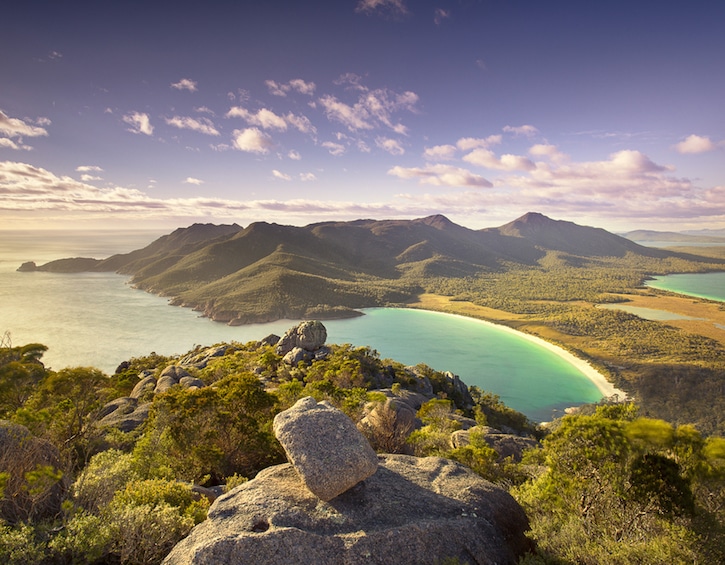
{"x": 606, "y": 484}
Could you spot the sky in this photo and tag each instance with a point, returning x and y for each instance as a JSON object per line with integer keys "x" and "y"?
{"x": 160, "y": 114}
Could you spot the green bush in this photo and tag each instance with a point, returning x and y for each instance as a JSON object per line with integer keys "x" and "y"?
{"x": 208, "y": 434}
{"x": 106, "y": 473}
{"x": 19, "y": 546}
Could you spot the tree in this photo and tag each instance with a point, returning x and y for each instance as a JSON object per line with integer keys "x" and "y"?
{"x": 615, "y": 488}
{"x": 64, "y": 408}
{"x": 20, "y": 373}
{"x": 213, "y": 432}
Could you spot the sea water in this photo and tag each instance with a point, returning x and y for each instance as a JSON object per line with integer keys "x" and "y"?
{"x": 97, "y": 319}
{"x": 702, "y": 285}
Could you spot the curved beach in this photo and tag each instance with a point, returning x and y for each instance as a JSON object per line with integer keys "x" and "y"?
{"x": 603, "y": 385}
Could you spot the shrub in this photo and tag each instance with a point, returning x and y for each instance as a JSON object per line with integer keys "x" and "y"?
{"x": 106, "y": 473}
{"x": 19, "y": 546}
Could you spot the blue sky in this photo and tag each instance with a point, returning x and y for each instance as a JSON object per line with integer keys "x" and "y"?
{"x": 161, "y": 114}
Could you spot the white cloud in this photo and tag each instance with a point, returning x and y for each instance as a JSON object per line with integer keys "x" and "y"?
{"x": 15, "y": 127}
{"x": 297, "y": 84}
{"x": 392, "y": 146}
{"x": 335, "y": 149}
{"x": 251, "y": 140}
{"x": 192, "y": 180}
{"x": 10, "y": 144}
{"x": 486, "y": 158}
{"x": 185, "y": 84}
{"x": 441, "y": 175}
{"x": 89, "y": 178}
{"x": 201, "y": 125}
{"x": 268, "y": 120}
{"x": 353, "y": 117}
{"x": 205, "y": 110}
{"x": 89, "y": 169}
{"x": 263, "y": 118}
{"x": 301, "y": 123}
{"x": 304, "y": 177}
{"x": 626, "y": 189}
{"x": 527, "y": 130}
{"x": 276, "y": 89}
{"x": 695, "y": 144}
{"x": 373, "y": 108}
{"x": 282, "y": 176}
{"x": 139, "y": 122}
{"x": 351, "y": 81}
{"x": 627, "y": 178}
{"x": 440, "y": 153}
{"x": 302, "y": 87}
{"x": 468, "y": 143}
{"x": 294, "y": 155}
{"x": 548, "y": 151}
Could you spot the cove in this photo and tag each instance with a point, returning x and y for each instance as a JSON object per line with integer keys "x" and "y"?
{"x": 528, "y": 376}
{"x": 96, "y": 319}
{"x": 702, "y": 285}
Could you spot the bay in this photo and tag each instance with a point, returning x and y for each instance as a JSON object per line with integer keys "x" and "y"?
{"x": 97, "y": 319}
{"x": 702, "y": 285}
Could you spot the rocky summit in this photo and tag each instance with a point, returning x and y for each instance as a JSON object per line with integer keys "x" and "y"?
{"x": 338, "y": 503}
{"x": 411, "y": 511}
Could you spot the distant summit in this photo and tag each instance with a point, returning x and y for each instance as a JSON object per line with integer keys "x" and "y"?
{"x": 571, "y": 238}
{"x": 438, "y": 221}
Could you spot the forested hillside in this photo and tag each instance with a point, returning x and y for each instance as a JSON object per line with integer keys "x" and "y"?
{"x": 267, "y": 271}
{"x": 117, "y": 469}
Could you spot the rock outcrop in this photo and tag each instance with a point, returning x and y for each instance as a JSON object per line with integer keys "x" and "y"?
{"x": 130, "y": 412}
{"x": 338, "y": 503}
{"x": 303, "y": 342}
{"x": 325, "y": 447}
{"x": 506, "y": 445}
{"x": 411, "y": 511}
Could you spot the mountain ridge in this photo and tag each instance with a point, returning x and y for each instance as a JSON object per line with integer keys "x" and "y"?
{"x": 269, "y": 271}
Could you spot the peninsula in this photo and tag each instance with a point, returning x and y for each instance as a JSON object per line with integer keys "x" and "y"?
{"x": 538, "y": 275}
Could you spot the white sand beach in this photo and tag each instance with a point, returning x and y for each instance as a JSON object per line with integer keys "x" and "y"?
{"x": 605, "y": 387}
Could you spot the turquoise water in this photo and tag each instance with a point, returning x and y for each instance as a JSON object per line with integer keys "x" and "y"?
{"x": 96, "y": 319}
{"x": 703, "y": 285}
{"x": 527, "y": 376}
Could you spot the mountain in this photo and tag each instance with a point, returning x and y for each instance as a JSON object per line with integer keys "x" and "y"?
{"x": 568, "y": 237}
{"x": 268, "y": 271}
{"x": 646, "y": 236}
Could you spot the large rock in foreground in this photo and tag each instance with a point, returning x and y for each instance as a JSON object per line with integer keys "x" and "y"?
{"x": 325, "y": 447}
{"x": 411, "y": 511}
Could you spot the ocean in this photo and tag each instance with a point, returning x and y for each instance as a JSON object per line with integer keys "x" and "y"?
{"x": 702, "y": 285}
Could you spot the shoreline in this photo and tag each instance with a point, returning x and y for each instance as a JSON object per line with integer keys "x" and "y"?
{"x": 585, "y": 367}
